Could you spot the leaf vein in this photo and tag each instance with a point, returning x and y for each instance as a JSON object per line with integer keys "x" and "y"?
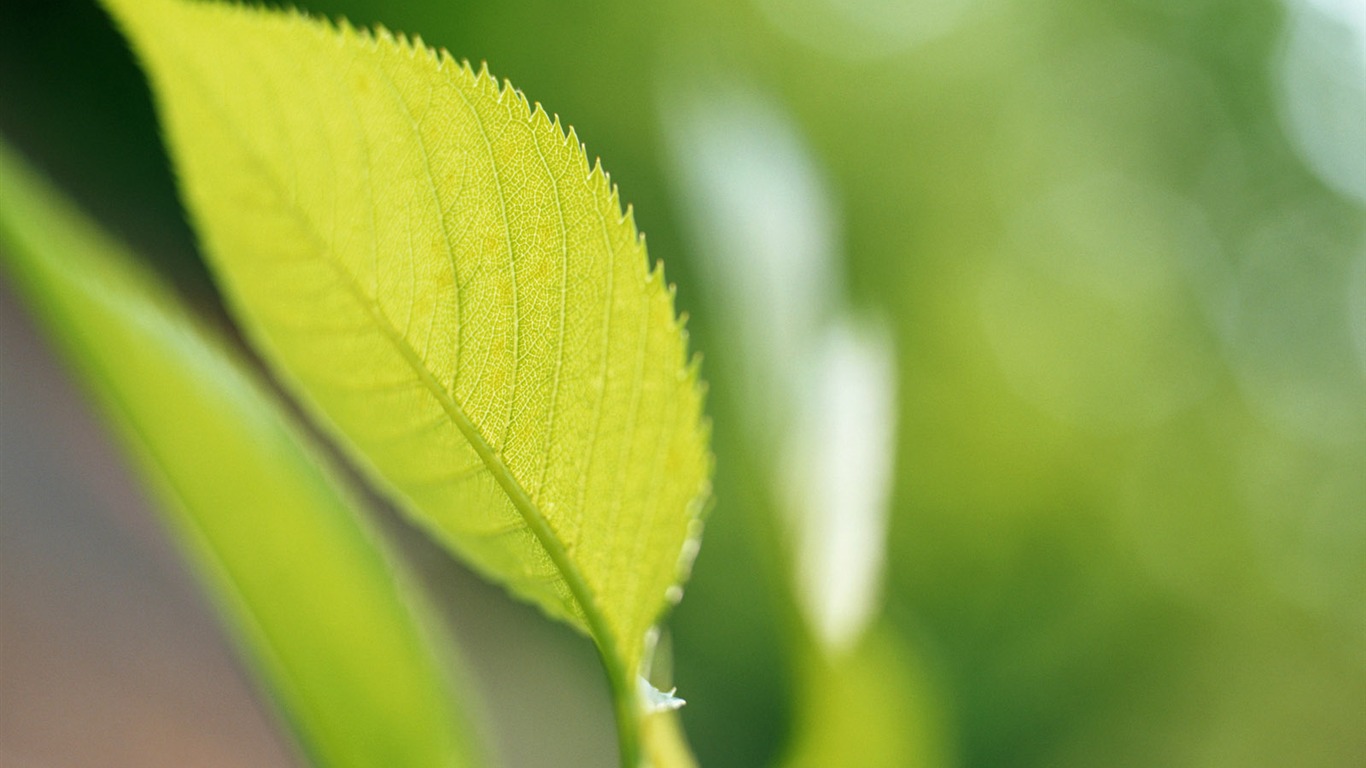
{"x": 512, "y": 256}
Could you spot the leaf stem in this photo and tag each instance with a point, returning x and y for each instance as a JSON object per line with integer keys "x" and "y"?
{"x": 626, "y": 710}
{"x": 621, "y": 681}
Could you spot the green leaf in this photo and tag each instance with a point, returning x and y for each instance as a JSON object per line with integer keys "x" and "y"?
{"x": 433, "y": 268}
{"x": 663, "y": 743}
{"x": 870, "y": 706}
{"x": 302, "y": 583}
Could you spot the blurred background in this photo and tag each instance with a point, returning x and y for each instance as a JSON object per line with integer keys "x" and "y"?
{"x": 1036, "y": 335}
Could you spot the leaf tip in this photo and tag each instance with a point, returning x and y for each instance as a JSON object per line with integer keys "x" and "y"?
{"x": 522, "y": 105}
{"x": 484, "y": 79}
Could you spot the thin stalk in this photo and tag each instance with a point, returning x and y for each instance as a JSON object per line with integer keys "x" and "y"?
{"x": 625, "y": 709}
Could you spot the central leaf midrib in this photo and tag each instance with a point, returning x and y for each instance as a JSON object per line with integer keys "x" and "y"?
{"x": 530, "y": 513}
{"x": 525, "y": 506}
{"x": 620, "y": 678}
{"x": 502, "y": 473}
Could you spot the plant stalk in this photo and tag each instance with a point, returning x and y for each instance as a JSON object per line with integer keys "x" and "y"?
{"x": 625, "y": 709}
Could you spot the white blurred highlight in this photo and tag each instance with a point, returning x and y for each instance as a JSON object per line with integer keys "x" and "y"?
{"x": 820, "y": 387}
{"x": 1323, "y": 90}
{"x": 839, "y": 476}
{"x": 765, "y": 234}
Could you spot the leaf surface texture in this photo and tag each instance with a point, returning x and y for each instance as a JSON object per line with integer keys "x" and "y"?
{"x": 436, "y": 272}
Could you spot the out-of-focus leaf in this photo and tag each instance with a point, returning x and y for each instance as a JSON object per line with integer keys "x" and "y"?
{"x": 869, "y": 707}
{"x": 435, "y": 270}
{"x": 663, "y": 743}
{"x": 302, "y": 582}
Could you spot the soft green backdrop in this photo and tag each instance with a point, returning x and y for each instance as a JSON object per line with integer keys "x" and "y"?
{"x": 1121, "y": 250}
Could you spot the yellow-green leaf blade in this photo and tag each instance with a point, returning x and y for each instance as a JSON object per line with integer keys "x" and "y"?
{"x": 302, "y": 583}
{"x": 439, "y": 275}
